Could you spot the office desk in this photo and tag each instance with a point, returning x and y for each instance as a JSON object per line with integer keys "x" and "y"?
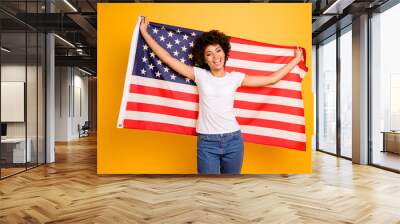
{"x": 15, "y": 148}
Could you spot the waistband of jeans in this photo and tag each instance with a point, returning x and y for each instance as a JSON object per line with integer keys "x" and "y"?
{"x": 221, "y": 135}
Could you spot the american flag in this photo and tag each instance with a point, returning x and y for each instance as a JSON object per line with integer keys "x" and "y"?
{"x": 157, "y": 98}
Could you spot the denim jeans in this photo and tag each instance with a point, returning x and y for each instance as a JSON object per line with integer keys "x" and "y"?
{"x": 220, "y": 153}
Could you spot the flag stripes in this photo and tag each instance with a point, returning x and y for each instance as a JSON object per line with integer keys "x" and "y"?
{"x": 158, "y": 99}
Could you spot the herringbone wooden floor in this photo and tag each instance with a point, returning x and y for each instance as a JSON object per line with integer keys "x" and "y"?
{"x": 70, "y": 191}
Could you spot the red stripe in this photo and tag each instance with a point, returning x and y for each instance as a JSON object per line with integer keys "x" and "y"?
{"x": 280, "y": 142}
{"x": 301, "y": 64}
{"x": 289, "y": 77}
{"x": 256, "y": 43}
{"x": 145, "y": 107}
{"x": 269, "y": 107}
{"x": 164, "y": 93}
{"x": 271, "y": 124}
{"x": 271, "y": 92}
{"x": 157, "y": 126}
{"x": 260, "y": 57}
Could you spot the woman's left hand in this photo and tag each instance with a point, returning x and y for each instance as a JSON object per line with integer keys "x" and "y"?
{"x": 299, "y": 54}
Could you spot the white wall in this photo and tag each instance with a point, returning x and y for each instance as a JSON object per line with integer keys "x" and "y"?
{"x": 33, "y": 127}
{"x": 13, "y": 73}
{"x": 71, "y": 102}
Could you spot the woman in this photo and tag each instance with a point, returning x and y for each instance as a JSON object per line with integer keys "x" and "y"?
{"x": 220, "y": 143}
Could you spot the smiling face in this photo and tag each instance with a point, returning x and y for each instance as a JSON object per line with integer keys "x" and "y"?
{"x": 214, "y": 56}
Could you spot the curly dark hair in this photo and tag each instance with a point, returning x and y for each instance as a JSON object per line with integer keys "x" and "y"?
{"x": 209, "y": 38}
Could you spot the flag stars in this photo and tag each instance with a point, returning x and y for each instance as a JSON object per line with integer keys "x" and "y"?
{"x": 145, "y": 47}
{"x": 185, "y": 37}
{"x": 177, "y": 41}
{"x": 190, "y": 56}
{"x": 158, "y": 74}
{"x": 152, "y": 55}
{"x": 170, "y": 34}
{"x": 176, "y": 53}
{"x": 178, "y": 31}
{"x": 144, "y": 59}
{"x": 143, "y": 71}
{"x": 162, "y": 38}
{"x": 184, "y": 49}
{"x": 159, "y": 62}
{"x": 151, "y": 66}
{"x": 193, "y": 34}
{"x": 187, "y": 80}
{"x": 173, "y": 77}
{"x": 166, "y": 69}
{"x": 163, "y": 27}
{"x": 182, "y": 60}
{"x": 191, "y": 44}
{"x": 169, "y": 45}
{"x": 155, "y": 30}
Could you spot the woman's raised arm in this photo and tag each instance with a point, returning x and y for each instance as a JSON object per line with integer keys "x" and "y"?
{"x": 259, "y": 81}
{"x": 175, "y": 64}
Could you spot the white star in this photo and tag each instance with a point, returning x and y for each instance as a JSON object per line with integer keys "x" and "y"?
{"x": 145, "y": 47}
{"x": 178, "y": 31}
{"x": 162, "y": 38}
{"x": 193, "y": 34}
{"x": 177, "y": 41}
{"x": 173, "y": 77}
{"x": 184, "y": 48}
{"x": 185, "y": 37}
{"x": 187, "y": 80}
{"x": 191, "y": 44}
{"x": 170, "y": 34}
{"x": 169, "y": 45}
{"x": 182, "y": 60}
{"x": 152, "y": 55}
{"x": 163, "y": 27}
{"x": 151, "y": 66}
{"x": 158, "y": 74}
{"x": 144, "y": 59}
{"x": 166, "y": 69}
{"x": 143, "y": 71}
{"x": 159, "y": 62}
{"x": 176, "y": 53}
{"x": 190, "y": 56}
{"x": 155, "y": 30}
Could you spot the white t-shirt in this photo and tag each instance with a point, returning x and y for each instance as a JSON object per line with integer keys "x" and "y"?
{"x": 216, "y": 115}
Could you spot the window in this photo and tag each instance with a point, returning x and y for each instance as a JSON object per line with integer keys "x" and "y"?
{"x": 385, "y": 89}
{"x": 346, "y": 93}
{"x": 327, "y": 96}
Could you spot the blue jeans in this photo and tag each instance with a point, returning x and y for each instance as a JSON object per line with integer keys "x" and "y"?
{"x": 220, "y": 153}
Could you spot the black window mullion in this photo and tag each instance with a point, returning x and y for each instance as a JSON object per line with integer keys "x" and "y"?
{"x": 26, "y": 88}
{"x": 338, "y": 73}
{"x": 317, "y": 97}
{"x": 37, "y": 90}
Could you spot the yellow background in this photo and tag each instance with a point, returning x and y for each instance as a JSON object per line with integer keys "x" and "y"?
{"x": 128, "y": 151}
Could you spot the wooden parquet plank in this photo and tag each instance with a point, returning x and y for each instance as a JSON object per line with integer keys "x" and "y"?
{"x": 70, "y": 191}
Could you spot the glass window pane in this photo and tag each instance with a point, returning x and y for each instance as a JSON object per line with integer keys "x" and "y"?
{"x": 327, "y": 96}
{"x": 31, "y": 96}
{"x": 346, "y": 94}
{"x": 41, "y": 98}
{"x": 14, "y": 153}
{"x": 385, "y": 84}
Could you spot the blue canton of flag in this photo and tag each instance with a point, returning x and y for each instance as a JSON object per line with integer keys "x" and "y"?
{"x": 177, "y": 41}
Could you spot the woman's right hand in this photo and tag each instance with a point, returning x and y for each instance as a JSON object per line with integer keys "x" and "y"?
{"x": 143, "y": 25}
